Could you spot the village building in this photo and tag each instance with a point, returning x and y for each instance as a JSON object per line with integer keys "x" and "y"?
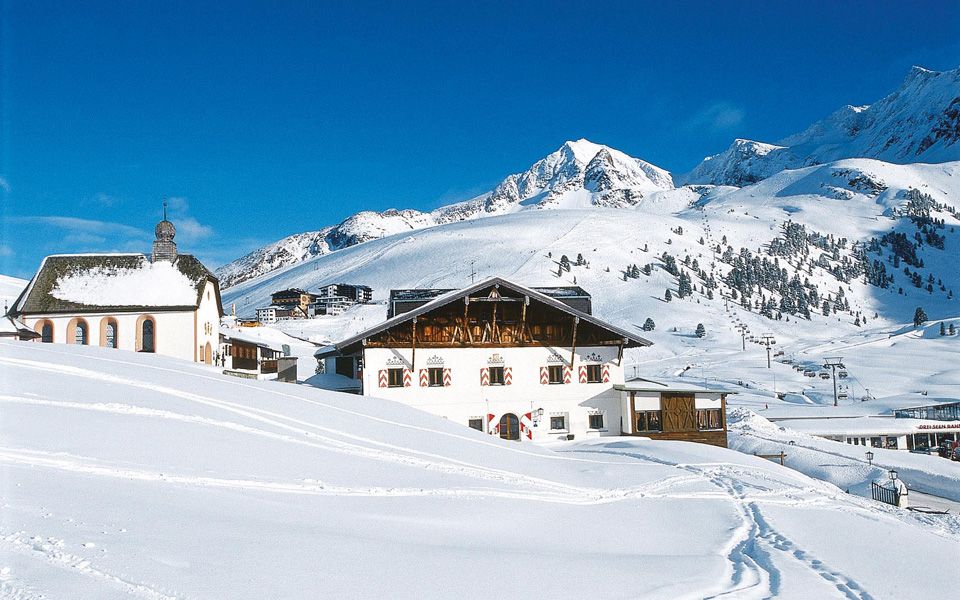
{"x": 335, "y": 298}
{"x": 167, "y": 303}
{"x": 245, "y": 354}
{"x": 12, "y": 328}
{"x": 295, "y": 300}
{"x": 912, "y": 428}
{"x": 674, "y": 411}
{"x": 268, "y": 315}
{"x": 521, "y": 363}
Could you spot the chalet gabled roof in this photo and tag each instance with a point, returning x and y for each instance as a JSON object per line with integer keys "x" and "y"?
{"x": 86, "y": 283}
{"x": 632, "y": 340}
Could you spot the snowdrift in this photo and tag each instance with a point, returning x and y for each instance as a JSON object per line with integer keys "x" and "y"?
{"x": 131, "y": 475}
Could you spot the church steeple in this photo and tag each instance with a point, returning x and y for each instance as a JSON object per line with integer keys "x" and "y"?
{"x": 164, "y": 248}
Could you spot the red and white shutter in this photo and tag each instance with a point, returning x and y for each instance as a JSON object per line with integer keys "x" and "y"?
{"x": 526, "y": 424}
{"x": 447, "y": 378}
{"x": 605, "y": 373}
{"x": 544, "y": 375}
{"x": 424, "y": 378}
{"x": 407, "y": 378}
{"x": 484, "y": 376}
{"x": 567, "y": 374}
{"x": 382, "y": 377}
{"x": 582, "y": 373}
{"x": 492, "y": 428}
{"x": 508, "y": 376}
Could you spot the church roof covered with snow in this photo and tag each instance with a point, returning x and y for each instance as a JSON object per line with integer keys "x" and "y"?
{"x": 114, "y": 283}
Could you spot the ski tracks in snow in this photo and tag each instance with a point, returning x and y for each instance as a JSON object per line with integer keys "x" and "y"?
{"x": 752, "y": 568}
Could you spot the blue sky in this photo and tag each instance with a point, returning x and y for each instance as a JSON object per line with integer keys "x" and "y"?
{"x": 262, "y": 120}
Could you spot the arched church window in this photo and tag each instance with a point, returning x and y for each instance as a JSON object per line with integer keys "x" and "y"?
{"x": 147, "y": 338}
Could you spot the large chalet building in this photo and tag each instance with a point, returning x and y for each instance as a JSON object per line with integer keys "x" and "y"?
{"x": 167, "y": 303}
{"x": 520, "y": 363}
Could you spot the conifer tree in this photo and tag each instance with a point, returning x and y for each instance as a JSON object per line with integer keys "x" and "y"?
{"x": 919, "y": 316}
{"x": 701, "y": 330}
{"x": 649, "y": 325}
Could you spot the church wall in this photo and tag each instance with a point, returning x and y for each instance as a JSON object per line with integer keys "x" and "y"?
{"x": 466, "y": 398}
{"x": 174, "y": 330}
{"x": 208, "y": 321}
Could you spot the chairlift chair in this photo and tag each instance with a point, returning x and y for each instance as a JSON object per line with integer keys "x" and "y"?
{"x": 842, "y": 374}
{"x": 842, "y": 396}
{"x": 824, "y": 375}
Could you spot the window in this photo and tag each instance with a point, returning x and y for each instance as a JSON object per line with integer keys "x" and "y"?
{"x": 596, "y": 421}
{"x": 476, "y": 424}
{"x": 344, "y": 366}
{"x": 394, "y": 377}
{"x": 556, "y": 374}
{"x": 708, "y": 418}
{"x": 80, "y": 334}
{"x": 436, "y": 376}
{"x": 593, "y": 374}
{"x": 147, "y": 341}
{"x": 649, "y": 420}
{"x": 496, "y": 375}
{"x": 558, "y": 422}
{"x": 46, "y": 333}
{"x": 111, "y": 335}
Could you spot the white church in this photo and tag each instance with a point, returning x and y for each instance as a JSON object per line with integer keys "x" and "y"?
{"x": 167, "y": 303}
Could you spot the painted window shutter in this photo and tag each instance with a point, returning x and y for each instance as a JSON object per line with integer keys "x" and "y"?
{"x": 544, "y": 375}
{"x": 407, "y": 378}
{"x": 484, "y": 376}
{"x": 605, "y": 373}
{"x": 424, "y": 378}
{"x": 582, "y": 372}
{"x": 447, "y": 378}
{"x": 508, "y": 376}
{"x": 567, "y": 374}
{"x": 492, "y": 428}
{"x": 382, "y": 377}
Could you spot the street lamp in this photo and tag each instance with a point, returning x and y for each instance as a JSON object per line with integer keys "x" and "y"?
{"x": 870, "y": 458}
{"x": 893, "y": 475}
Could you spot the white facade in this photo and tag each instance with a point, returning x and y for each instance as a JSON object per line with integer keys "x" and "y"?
{"x": 267, "y": 315}
{"x": 185, "y": 334}
{"x": 466, "y": 395}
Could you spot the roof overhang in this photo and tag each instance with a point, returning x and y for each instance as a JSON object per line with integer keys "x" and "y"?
{"x": 354, "y": 343}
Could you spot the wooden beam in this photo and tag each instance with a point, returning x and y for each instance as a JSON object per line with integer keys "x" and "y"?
{"x": 466, "y": 321}
{"x": 494, "y": 331}
{"x": 413, "y": 346}
{"x": 524, "y": 333}
{"x": 573, "y": 345}
{"x": 620, "y": 354}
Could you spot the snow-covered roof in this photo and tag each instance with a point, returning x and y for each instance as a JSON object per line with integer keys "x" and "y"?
{"x": 113, "y": 282}
{"x": 640, "y": 384}
{"x": 10, "y": 327}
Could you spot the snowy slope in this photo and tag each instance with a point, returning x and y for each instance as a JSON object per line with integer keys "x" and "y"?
{"x": 840, "y": 199}
{"x": 579, "y": 174}
{"x": 131, "y": 475}
{"x": 919, "y": 122}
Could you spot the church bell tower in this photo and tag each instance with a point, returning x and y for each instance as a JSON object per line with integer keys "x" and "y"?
{"x": 164, "y": 248}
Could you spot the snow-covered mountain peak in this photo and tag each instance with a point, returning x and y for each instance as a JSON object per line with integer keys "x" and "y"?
{"x": 579, "y": 174}
{"x": 918, "y": 122}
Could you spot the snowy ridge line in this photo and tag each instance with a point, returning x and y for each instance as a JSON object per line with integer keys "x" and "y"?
{"x": 362, "y": 415}
{"x": 51, "y": 551}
